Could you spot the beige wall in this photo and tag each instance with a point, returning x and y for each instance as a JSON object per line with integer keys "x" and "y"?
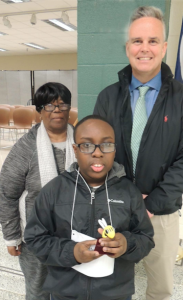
{"x": 67, "y": 61}
{"x": 176, "y": 14}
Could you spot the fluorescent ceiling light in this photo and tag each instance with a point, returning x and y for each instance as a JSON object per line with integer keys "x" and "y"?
{"x": 1, "y": 49}
{"x": 15, "y": 1}
{"x": 2, "y": 33}
{"x": 35, "y": 46}
{"x": 61, "y": 24}
{"x": 58, "y": 23}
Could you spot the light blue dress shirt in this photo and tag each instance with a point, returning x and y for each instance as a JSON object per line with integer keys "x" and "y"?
{"x": 151, "y": 95}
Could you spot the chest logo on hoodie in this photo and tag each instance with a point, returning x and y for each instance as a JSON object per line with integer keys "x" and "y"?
{"x": 166, "y": 119}
{"x": 115, "y": 201}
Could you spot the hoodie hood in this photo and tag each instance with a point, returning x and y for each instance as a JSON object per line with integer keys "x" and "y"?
{"x": 116, "y": 171}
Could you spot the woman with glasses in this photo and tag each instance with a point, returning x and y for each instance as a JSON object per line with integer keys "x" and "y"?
{"x": 39, "y": 156}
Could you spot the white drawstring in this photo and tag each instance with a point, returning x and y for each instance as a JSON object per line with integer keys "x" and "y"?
{"x": 74, "y": 200}
{"x": 108, "y": 198}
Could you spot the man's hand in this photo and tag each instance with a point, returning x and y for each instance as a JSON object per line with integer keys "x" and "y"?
{"x": 82, "y": 253}
{"x": 14, "y": 251}
{"x": 148, "y": 212}
{"x": 117, "y": 245}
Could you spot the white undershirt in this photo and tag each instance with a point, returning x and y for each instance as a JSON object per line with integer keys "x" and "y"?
{"x": 60, "y": 145}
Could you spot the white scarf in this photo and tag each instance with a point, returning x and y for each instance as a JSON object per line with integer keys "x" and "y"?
{"x": 46, "y": 160}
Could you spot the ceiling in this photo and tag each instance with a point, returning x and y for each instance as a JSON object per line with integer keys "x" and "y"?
{"x": 22, "y": 31}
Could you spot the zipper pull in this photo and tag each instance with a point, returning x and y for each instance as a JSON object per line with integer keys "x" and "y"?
{"x": 92, "y": 196}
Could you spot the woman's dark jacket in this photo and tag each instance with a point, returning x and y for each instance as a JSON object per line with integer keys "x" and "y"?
{"x": 159, "y": 170}
{"x": 48, "y": 233}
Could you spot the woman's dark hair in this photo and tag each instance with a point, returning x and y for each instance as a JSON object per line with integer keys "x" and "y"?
{"x": 51, "y": 91}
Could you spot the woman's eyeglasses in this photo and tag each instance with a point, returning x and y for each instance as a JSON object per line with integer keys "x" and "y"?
{"x": 90, "y": 148}
{"x": 51, "y": 107}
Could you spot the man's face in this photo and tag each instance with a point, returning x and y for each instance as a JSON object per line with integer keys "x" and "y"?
{"x": 95, "y": 166}
{"x": 146, "y": 48}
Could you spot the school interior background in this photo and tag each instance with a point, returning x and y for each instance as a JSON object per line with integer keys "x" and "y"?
{"x": 86, "y": 60}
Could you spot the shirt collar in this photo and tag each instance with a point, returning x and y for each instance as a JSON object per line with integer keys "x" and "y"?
{"x": 154, "y": 83}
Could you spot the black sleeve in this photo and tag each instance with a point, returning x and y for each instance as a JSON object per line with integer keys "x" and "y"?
{"x": 140, "y": 235}
{"x": 170, "y": 188}
{"x": 40, "y": 239}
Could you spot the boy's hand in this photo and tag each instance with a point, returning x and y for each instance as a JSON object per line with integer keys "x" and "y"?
{"x": 14, "y": 251}
{"x": 82, "y": 253}
{"x": 117, "y": 245}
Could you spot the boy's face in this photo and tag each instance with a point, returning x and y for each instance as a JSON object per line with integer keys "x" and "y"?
{"x": 94, "y": 166}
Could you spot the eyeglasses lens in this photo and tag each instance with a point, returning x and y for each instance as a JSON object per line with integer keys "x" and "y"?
{"x": 51, "y": 107}
{"x": 90, "y": 148}
{"x": 107, "y": 147}
{"x": 87, "y": 148}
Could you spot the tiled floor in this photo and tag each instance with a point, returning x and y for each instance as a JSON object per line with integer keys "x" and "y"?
{"x": 12, "y": 281}
{"x": 140, "y": 282}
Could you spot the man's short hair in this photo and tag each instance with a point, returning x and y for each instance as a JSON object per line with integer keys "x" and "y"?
{"x": 148, "y": 11}
{"x": 90, "y": 117}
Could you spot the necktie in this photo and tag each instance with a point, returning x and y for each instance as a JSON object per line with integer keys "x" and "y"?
{"x": 139, "y": 123}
